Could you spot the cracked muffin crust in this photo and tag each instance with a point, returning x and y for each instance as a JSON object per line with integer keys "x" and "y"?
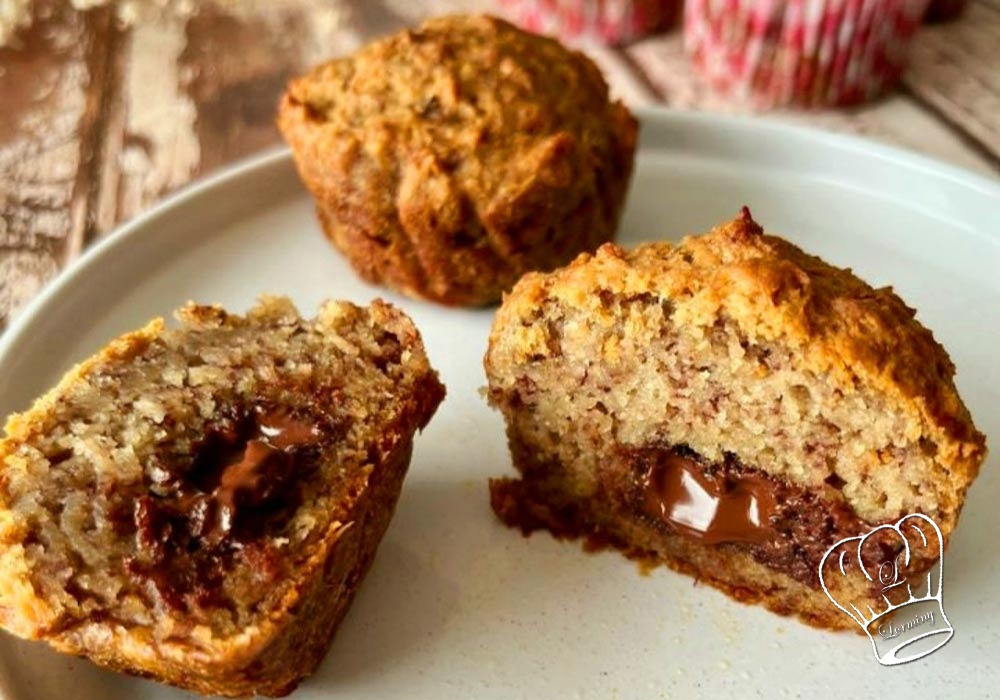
{"x": 198, "y": 505}
{"x": 731, "y": 406}
{"x": 448, "y": 160}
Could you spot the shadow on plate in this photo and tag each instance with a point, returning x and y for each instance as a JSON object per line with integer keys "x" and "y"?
{"x": 405, "y": 599}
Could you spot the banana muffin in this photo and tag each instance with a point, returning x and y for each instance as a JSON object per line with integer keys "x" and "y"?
{"x": 730, "y": 406}
{"x": 448, "y": 160}
{"x": 199, "y": 505}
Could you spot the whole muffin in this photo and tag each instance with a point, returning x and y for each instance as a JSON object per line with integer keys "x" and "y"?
{"x": 448, "y": 160}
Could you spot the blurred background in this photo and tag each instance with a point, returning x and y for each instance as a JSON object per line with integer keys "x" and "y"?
{"x": 108, "y": 106}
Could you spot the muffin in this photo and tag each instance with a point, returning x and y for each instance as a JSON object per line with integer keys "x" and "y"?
{"x": 199, "y": 505}
{"x": 730, "y": 406}
{"x": 448, "y": 160}
{"x": 821, "y": 53}
{"x": 606, "y": 21}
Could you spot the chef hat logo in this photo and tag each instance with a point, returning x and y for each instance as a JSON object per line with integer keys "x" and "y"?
{"x": 906, "y": 620}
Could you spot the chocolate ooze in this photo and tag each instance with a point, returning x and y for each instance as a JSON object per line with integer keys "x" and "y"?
{"x": 196, "y": 517}
{"x": 710, "y": 508}
{"x": 784, "y": 526}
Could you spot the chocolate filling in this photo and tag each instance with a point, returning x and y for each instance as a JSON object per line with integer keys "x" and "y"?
{"x": 200, "y": 514}
{"x": 711, "y": 508}
{"x": 784, "y": 526}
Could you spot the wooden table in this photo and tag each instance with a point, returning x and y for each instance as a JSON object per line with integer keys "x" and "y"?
{"x": 101, "y": 118}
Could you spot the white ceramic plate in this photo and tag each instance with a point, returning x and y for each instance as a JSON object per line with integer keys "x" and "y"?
{"x": 459, "y": 606}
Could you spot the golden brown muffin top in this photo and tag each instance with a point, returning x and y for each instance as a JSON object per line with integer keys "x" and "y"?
{"x": 474, "y": 95}
{"x": 840, "y": 326}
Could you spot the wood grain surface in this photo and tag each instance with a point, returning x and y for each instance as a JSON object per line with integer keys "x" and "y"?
{"x": 103, "y": 117}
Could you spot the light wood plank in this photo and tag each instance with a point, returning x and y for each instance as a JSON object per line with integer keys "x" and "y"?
{"x": 955, "y": 70}
{"x": 47, "y": 127}
{"x": 200, "y": 92}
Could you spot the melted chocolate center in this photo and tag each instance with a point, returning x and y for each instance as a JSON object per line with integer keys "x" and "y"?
{"x": 241, "y": 484}
{"x": 784, "y": 526}
{"x": 713, "y": 509}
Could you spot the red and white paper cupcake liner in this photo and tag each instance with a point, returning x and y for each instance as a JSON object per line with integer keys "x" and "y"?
{"x": 604, "y": 21}
{"x": 809, "y": 53}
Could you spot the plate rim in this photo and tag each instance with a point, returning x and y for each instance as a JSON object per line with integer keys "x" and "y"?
{"x": 854, "y": 143}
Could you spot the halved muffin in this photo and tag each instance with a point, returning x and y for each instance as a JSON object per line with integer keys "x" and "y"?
{"x": 731, "y": 406}
{"x": 198, "y": 505}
